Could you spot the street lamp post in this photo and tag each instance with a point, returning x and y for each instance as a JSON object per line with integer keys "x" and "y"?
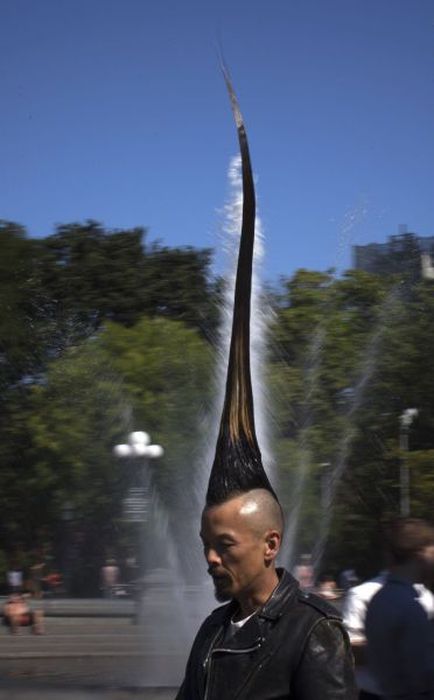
{"x": 325, "y": 477}
{"x": 137, "y": 502}
{"x": 68, "y": 516}
{"x": 405, "y": 420}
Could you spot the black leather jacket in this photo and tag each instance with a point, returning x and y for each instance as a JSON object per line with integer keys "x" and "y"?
{"x": 293, "y": 648}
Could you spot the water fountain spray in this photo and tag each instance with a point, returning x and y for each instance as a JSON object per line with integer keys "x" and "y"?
{"x": 365, "y": 373}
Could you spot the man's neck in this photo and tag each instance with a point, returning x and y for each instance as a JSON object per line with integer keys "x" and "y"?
{"x": 253, "y": 600}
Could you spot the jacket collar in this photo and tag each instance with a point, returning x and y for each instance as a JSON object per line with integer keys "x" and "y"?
{"x": 285, "y": 590}
{"x": 253, "y": 632}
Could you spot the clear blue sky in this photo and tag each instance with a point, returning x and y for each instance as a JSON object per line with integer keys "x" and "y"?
{"x": 116, "y": 110}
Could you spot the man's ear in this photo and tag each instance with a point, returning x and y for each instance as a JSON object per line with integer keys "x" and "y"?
{"x": 272, "y": 545}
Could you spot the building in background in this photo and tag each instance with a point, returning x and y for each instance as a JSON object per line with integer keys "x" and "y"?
{"x": 404, "y": 254}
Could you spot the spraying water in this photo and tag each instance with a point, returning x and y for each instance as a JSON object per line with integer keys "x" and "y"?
{"x": 312, "y": 371}
{"x": 365, "y": 373}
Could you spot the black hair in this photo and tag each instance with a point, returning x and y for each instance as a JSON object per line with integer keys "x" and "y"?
{"x": 237, "y": 465}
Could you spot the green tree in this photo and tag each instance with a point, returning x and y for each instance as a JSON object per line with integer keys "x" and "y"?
{"x": 332, "y": 338}
{"x": 21, "y": 321}
{"x": 149, "y": 376}
{"x": 94, "y": 275}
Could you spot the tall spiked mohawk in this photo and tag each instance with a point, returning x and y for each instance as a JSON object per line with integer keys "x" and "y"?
{"x": 237, "y": 465}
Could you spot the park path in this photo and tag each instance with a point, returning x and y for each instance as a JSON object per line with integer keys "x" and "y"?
{"x": 79, "y": 658}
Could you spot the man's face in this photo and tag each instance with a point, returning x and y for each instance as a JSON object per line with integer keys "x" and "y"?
{"x": 234, "y": 550}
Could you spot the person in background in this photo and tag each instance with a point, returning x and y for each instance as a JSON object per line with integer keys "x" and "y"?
{"x": 347, "y": 579}
{"x": 354, "y": 613}
{"x": 110, "y": 577}
{"x": 14, "y": 578}
{"x": 399, "y": 633}
{"x": 303, "y": 572}
{"x": 17, "y": 613}
{"x": 327, "y": 588}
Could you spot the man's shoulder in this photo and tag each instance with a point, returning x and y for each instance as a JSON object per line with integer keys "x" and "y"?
{"x": 317, "y": 605}
{"x": 394, "y": 590}
{"x": 290, "y": 597}
{"x": 395, "y": 603}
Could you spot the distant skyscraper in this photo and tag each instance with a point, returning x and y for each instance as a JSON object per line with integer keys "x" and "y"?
{"x": 405, "y": 254}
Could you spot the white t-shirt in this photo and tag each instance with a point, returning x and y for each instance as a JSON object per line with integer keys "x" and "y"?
{"x": 235, "y": 626}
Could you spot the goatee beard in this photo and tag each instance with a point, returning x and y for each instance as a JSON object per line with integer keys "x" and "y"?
{"x": 221, "y": 596}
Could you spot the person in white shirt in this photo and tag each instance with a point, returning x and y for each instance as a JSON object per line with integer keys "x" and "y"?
{"x": 354, "y": 613}
{"x": 399, "y": 632}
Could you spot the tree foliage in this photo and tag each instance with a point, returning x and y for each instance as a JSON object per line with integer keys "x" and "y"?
{"x": 58, "y": 290}
{"x": 121, "y": 379}
{"x": 102, "y": 332}
{"x": 349, "y": 356}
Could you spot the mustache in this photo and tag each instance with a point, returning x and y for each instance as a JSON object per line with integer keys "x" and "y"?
{"x": 215, "y": 572}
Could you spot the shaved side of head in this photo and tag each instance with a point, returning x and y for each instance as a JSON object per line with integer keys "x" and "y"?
{"x": 264, "y": 512}
{"x": 258, "y": 508}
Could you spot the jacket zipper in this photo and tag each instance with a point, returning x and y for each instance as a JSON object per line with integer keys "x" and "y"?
{"x": 210, "y": 650}
{"x": 238, "y": 651}
{"x": 207, "y": 662}
{"x": 248, "y": 680}
{"x": 208, "y": 659}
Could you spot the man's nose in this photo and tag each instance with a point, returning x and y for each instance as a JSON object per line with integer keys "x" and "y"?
{"x": 212, "y": 556}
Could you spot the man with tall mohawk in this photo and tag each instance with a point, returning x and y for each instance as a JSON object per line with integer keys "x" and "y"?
{"x": 271, "y": 641}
